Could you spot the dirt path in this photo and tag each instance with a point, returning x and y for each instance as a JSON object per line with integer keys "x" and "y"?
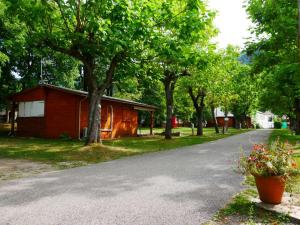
{"x": 13, "y": 169}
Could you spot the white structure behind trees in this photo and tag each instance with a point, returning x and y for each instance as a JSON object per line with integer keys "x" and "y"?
{"x": 264, "y": 119}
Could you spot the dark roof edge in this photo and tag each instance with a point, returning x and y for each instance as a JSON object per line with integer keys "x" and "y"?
{"x": 84, "y": 93}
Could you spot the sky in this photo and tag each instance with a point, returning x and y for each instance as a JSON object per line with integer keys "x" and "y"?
{"x": 232, "y": 22}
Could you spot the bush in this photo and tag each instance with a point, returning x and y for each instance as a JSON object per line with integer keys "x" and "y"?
{"x": 257, "y": 126}
{"x": 277, "y": 125}
{"x": 65, "y": 136}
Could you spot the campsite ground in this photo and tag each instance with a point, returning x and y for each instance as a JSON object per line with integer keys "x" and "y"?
{"x": 23, "y": 157}
{"x": 17, "y": 155}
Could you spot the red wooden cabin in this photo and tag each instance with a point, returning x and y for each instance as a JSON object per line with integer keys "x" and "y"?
{"x": 49, "y": 111}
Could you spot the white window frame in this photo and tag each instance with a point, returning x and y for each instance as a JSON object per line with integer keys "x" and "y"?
{"x": 31, "y": 109}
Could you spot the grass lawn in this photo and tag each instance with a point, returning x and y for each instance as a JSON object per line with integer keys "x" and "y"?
{"x": 57, "y": 151}
{"x": 158, "y": 143}
{"x": 241, "y": 210}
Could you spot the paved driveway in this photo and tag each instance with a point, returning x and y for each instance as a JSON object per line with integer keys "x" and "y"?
{"x": 183, "y": 186}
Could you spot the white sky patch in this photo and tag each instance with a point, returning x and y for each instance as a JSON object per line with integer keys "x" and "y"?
{"x": 16, "y": 75}
{"x": 232, "y": 22}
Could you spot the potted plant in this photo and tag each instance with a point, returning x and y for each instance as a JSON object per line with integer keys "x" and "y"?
{"x": 271, "y": 167}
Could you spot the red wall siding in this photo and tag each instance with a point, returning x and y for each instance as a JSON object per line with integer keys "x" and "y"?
{"x": 125, "y": 119}
{"x": 221, "y": 121}
{"x": 231, "y": 122}
{"x": 61, "y": 114}
{"x": 31, "y": 127}
{"x": 34, "y": 94}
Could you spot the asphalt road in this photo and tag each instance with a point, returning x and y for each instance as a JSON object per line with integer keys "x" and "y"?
{"x": 182, "y": 186}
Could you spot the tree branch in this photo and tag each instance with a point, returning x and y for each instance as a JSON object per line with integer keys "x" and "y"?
{"x": 111, "y": 70}
{"x": 62, "y": 15}
{"x": 72, "y": 51}
{"x": 78, "y": 20}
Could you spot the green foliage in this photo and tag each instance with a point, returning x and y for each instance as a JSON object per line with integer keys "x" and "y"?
{"x": 22, "y": 69}
{"x": 274, "y": 53}
{"x": 277, "y": 125}
{"x": 3, "y": 59}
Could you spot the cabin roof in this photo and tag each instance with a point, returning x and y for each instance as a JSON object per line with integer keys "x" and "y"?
{"x": 85, "y": 94}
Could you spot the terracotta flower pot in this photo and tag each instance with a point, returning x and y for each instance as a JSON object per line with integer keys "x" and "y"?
{"x": 270, "y": 189}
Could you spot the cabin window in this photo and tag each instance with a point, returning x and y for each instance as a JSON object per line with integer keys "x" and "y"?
{"x": 31, "y": 109}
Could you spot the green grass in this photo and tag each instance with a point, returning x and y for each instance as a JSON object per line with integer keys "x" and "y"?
{"x": 286, "y": 135}
{"x": 57, "y": 151}
{"x": 158, "y": 143}
{"x": 247, "y": 212}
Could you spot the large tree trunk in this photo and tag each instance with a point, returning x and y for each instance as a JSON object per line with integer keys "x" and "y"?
{"x": 94, "y": 97}
{"x": 199, "y": 121}
{"x": 216, "y": 125}
{"x": 94, "y": 118}
{"x": 199, "y": 107}
{"x": 237, "y": 122}
{"x": 95, "y": 94}
{"x": 169, "y": 105}
{"x": 169, "y": 81}
{"x": 7, "y": 114}
{"x": 84, "y": 78}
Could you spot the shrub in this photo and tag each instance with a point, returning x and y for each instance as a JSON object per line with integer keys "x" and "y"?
{"x": 277, "y": 125}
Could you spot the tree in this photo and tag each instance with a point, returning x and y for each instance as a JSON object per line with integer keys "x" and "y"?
{"x": 98, "y": 33}
{"x": 196, "y": 85}
{"x": 23, "y": 69}
{"x": 178, "y": 26}
{"x": 3, "y": 57}
{"x": 245, "y": 90}
{"x": 275, "y": 54}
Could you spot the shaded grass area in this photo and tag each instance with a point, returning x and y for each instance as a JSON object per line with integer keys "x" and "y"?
{"x": 59, "y": 151}
{"x": 54, "y": 151}
{"x": 4, "y": 129}
{"x": 284, "y": 135}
